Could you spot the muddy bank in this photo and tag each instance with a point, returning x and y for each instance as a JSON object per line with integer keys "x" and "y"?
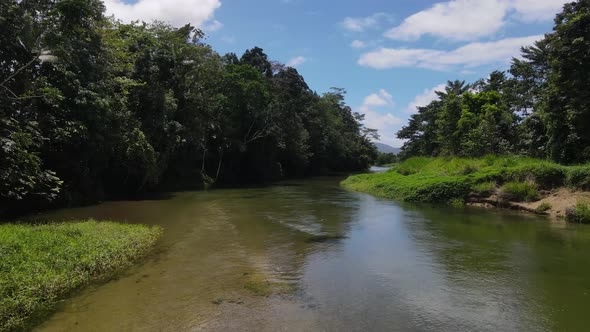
{"x": 553, "y": 203}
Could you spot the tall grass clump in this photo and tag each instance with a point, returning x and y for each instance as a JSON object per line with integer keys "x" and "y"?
{"x": 41, "y": 264}
{"x": 520, "y": 191}
{"x": 413, "y": 165}
{"x": 544, "y": 207}
{"x": 579, "y": 213}
{"x": 578, "y": 177}
{"x": 484, "y": 189}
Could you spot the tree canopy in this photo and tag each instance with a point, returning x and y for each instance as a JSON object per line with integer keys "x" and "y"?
{"x": 540, "y": 107}
{"x": 92, "y": 108}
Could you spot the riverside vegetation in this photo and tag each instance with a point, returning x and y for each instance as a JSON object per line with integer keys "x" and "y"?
{"x": 42, "y": 264}
{"x": 92, "y": 109}
{"x": 491, "y": 179}
{"x": 538, "y": 112}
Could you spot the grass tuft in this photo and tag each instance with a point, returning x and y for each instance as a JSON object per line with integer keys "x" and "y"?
{"x": 520, "y": 191}
{"x": 41, "y": 264}
{"x": 579, "y": 213}
{"x": 484, "y": 189}
{"x": 544, "y": 207}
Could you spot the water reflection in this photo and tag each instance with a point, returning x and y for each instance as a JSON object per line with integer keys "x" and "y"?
{"x": 347, "y": 261}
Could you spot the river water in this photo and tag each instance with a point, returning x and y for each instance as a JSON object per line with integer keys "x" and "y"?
{"x": 310, "y": 256}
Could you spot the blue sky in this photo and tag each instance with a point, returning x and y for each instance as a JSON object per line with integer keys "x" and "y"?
{"x": 389, "y": 55}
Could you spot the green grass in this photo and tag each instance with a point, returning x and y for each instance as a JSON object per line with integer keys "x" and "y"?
{"x": 580, "y": 213}
{"x": 448, "y": 180}
{"x": 484, "y": 189}
{"x": 543, "y": 207}
{"x": 41, "y": 264}
{"x": 520, "y": 191}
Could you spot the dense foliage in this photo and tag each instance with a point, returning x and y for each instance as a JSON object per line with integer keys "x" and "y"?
{"x": 91, "y": 108}
{"x": 539, "y": 108}
{"x": 384, "y": 159}
{"x": 42, "y": 264}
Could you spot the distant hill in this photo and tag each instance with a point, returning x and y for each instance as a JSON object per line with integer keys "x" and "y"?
{"x": 384, "y": 148}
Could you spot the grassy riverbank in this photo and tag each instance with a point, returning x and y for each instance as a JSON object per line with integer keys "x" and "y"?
{"x": 456, "y": 181}
{"x": 42, "y": 264}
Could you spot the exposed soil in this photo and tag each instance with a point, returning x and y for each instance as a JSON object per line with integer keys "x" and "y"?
{"x": 559, "y": 199}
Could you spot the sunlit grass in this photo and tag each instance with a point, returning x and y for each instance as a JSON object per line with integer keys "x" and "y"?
{"x": 448, "y": 180}
{"x": 41, "y": 264}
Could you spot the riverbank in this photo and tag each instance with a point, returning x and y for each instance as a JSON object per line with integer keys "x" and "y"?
{"x": 41, "y": 264}
{"x": 508, "y": 182}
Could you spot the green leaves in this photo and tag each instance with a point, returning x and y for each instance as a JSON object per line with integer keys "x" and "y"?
{"x": 124, "y": 108}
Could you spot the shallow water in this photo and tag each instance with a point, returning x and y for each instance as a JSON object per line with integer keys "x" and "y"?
{"x": 309, "y": 255}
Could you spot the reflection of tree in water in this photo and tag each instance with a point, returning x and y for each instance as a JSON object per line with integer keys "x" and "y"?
{"x": 524, "y": 264}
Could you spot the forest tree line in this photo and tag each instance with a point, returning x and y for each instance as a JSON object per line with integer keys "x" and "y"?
{"x": 539, "y": 108}
{"x": 92, "y": 108}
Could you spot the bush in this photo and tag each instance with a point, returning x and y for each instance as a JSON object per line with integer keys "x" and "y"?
{"x": 457, "y": 203}
{"x": 484, "y": 189}
{"x": 545, "y": 174}
{"x": 579, "y": 214}
{"x": 543, "y": 207}
{"x": 579, "y": 177}
{"x": 520, "y": 191}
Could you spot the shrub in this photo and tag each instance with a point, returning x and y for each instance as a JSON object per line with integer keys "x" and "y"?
{"x": 579, "y": 177}
{"x": 520, "y": 191}
{"x": 579, "y": 213}
{"x": 484, "y": 189}
{"x": 543, "y": 207}
{"x": 457, "y": 202}
{"x": 547, "y": 175}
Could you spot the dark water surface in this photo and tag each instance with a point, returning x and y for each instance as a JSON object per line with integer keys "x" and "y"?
{"x": 311, "y": 256}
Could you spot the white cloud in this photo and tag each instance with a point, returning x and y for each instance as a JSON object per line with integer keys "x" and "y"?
{"x": 457, "y": 20}
{"x": 213, "y": 26}
{"x": 359, "y": 24}
{"x": 381, "y": 98}
{"x": 424, "y": 98}
{"x": 468, "y": 56}
{"x": 296, "y": 61}
{"x": 472, "y": 19}
{"x": 385, "y": 122}
{"x": 175, "y": 12}
{"x": 357, "y": 44}
{"x": 537, "y": 10}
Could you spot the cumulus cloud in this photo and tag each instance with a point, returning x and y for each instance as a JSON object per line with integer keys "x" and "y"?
{"x": 296, "y": 61}
{"x": 458, "y": 20}
{"x": 357, "y": 44}
{"x": 212, "y": 26}
{"x": 377, "y": 110}
{"x": 537, "y": 10}
{"x": 472, "y": 19}
{"x": 359, "y": 24}
{"x": 467, "y": 56}
{"x": 175, "y": 12}
{"x": 424, "y": 98}
{"x": 381, "y": 98}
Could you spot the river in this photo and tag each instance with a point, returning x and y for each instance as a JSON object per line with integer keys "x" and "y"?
{"x": 310, "y": 256}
